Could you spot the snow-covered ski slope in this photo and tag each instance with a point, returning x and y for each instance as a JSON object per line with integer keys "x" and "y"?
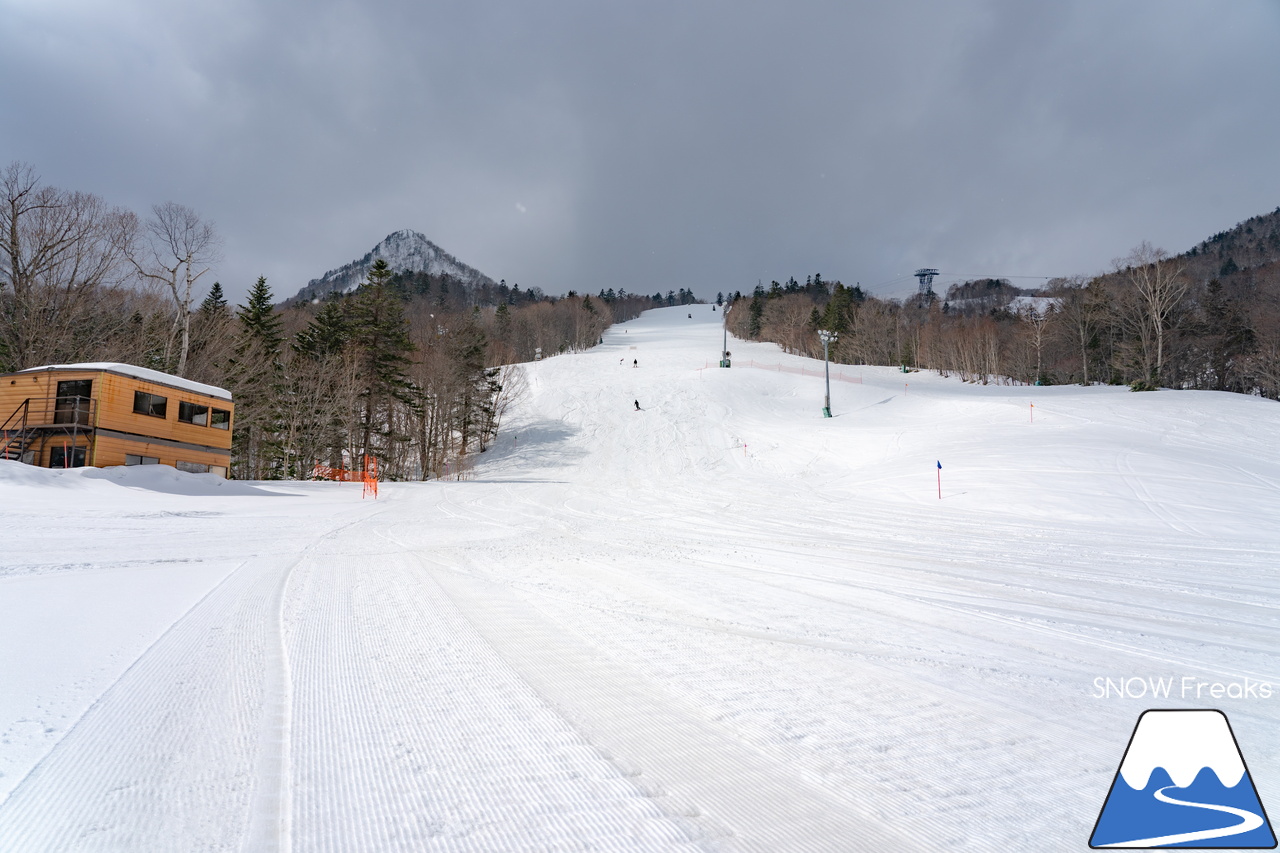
{"x": 720, "y": 623}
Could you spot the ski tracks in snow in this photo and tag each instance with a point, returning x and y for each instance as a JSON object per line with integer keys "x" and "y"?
{"x": 168, "y": 751}
{"x": 411, "y": 734}
{"x": 720, "y": 791}
{"x": 191, "y": 742}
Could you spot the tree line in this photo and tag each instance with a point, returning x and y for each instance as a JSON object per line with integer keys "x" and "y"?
{"x": 1208, "y": 319}
{"x": 412, "y": 369}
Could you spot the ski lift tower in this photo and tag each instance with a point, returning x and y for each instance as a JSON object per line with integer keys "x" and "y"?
{"x": 926, "y": 281}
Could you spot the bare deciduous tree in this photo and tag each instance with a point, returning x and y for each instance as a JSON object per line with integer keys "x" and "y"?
{"x": 57, "y": 248}
{"x": 513, "y": 387}
{"x": 178, "y": 248}
{"x": 1038, "y": 319}
{"x": 1081, "y": 306}
{"x": 1158, "y": 287}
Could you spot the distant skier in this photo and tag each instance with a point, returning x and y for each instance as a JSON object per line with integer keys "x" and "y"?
{"x": 690, "y": 316}
{"x": 637, "y": 405}
{"x": 635, "y": 362}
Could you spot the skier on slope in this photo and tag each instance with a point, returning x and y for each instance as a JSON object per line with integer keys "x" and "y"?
{"x": 637, "y": 405}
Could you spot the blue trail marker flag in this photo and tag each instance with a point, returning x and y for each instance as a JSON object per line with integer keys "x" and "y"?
{"x": 939, "y": 466}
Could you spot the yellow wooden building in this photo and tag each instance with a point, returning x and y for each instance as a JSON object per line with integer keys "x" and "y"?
{"x": 104, "y": 413}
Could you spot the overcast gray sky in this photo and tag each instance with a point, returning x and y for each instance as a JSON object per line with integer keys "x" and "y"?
{"x": 587, "y": 144}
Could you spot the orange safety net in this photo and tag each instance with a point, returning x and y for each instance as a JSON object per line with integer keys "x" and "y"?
{"x": 368, "y": 476}
{"x": 339, "y": 475}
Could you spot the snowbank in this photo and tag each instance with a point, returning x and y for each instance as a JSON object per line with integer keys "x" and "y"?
{"x": 151, "y": 478}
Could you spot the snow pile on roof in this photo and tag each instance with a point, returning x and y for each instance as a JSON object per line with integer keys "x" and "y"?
{"x": 143, "y": 373}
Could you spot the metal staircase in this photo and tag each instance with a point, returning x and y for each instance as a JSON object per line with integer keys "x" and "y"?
{"x": 37, "y": 419}
{"x": 15, "y": 435}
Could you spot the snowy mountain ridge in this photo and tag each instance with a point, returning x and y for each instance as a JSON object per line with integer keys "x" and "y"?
{"x": 402, "y": 250}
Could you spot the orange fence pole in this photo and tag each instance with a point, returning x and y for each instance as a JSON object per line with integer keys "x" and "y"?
{"x": 370, "y": 477}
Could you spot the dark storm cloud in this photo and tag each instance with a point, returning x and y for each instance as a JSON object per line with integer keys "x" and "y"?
{"x": 659, "y": 145}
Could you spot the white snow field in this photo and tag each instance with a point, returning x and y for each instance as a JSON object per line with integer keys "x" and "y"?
{"x": 720, "y": 623}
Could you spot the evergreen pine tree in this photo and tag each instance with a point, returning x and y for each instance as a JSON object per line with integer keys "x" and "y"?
{"x": 255, "y": 380}
{"x": 381, "y": 333}
{"x": 259, "y": 320}
{"x": 326, "y": 334}
{"x": 215, "y": 303}
{"x": 477, "y": 386}
{"x": 502, "y": 321}
{"x": 835, "y": 317}
{"x": 756, "y": 315}
{"x": 1224, "y": 334}
{"x": 212, "y": 332}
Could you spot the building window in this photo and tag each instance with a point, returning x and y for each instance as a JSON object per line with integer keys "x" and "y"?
{"x": 150, "y": 404}
{"x": 72, "y": 404}
{"x": 130, "y": 459}
{"x": 192, "y": 467}
{"x": 59, "y": 457}
{"x": 221, "y": 419}
{"x": 193, "y": 413}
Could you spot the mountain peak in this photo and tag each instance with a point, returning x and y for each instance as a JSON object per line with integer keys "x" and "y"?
{"x": 403, "y": 250}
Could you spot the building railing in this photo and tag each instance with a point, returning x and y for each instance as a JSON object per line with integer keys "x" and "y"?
{"x": 59, "y": 411}
{"x": 37, "y": 417}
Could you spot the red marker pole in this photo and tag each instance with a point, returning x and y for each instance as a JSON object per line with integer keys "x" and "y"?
{"x": 939, "y": 481}
{"x": 1033, "y": 412}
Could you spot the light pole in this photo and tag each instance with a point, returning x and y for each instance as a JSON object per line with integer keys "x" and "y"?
{"x": 724, "y": 350}
{"x": 827, "y": 338}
